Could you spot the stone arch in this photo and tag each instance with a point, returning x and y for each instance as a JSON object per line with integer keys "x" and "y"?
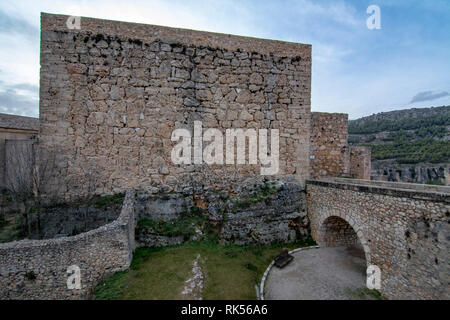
{"x": 336, "y": 230}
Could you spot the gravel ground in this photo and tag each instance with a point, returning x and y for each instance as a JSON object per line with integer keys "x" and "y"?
{"x": 332, "y": 273}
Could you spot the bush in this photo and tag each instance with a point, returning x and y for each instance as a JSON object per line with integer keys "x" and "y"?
{"x": 434, "y": 125}
{"x": 424, "y": 150}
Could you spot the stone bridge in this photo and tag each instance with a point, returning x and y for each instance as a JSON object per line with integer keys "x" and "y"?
{"x": 403, "y": 228}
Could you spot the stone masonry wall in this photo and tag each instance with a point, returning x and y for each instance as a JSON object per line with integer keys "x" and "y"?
{"x": 329, "y": 146}
{"x": 338, "y": 232}
{"x": 111, "y": 93}
{"x": 36, "y": 269}
{"x": 405, "y": 232}
{"x": 360, "y": 162}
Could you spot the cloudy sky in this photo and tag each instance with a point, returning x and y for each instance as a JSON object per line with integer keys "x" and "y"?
{"x": 358, "y": 71}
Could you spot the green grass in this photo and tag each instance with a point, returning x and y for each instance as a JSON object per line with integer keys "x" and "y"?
{"x": 114, "y": 200}
{"x": 438, "y": 182}
{"x": 11, "y": 227}
{"x": 365, "y": 293}
{"x": 184, "y": 226}
{"x": 262, "y": 192}
{"x": 231, "y": 271}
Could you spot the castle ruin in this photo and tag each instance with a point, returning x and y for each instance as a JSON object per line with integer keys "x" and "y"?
{"x": 111, "y": 95}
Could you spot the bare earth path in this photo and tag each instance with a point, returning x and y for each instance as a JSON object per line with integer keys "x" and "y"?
{"x": 317, "y": 274}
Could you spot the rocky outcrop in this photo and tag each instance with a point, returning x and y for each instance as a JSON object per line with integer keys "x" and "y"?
{"x": 261, "y": 211}
{"x": 388, "y": 170}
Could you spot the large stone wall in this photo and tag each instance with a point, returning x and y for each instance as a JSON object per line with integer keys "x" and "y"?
{"x": 36, "y": 269}
{"x": 111, "y": 93}
{"x": 329, "y": 147}
{"x": 403, "y": 229}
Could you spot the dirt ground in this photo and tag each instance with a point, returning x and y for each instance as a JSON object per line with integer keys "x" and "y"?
{"x": 333, "y": 273}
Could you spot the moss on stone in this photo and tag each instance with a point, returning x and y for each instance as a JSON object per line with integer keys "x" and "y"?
{"x": 109, "y": 201}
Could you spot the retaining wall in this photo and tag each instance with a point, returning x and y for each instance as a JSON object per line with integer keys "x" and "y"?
{"x": 36, "y": 269}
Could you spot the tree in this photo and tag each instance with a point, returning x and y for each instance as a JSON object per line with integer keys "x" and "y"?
{"x": 44, "y": 180}
{"x": 31, "y": 178}
{"x": 92, "y": 177}
{"x": 19, "y": 162}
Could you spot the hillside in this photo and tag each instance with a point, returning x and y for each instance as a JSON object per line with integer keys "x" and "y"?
{"x": 410, "y": 145}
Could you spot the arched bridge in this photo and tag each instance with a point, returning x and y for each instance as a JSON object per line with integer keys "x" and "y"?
{"x": 403, "y": 228}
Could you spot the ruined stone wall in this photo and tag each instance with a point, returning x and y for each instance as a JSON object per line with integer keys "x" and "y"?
{"x": 329, "y": 146}
{"x": 36, "y": 269}
{"x": 403, "y": 229}
{"x": 111, "y": 93}
{"x": 360, "y": 162}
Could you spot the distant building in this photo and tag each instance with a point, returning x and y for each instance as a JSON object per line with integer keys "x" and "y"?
{"x": 14, "y": 131}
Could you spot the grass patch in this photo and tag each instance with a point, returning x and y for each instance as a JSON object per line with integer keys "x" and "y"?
{"x": 11, "y": 228}
{"x": 260, "y": 193}
{"x": 114, "y": 201}
{"x": 437, "y": 182}
{"x": 184, "y": 226}
{"x": 231, "y": 271}
{"x": 365, "y": 293}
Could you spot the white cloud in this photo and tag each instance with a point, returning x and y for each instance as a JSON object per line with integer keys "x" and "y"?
{"x": 352, "y": 71}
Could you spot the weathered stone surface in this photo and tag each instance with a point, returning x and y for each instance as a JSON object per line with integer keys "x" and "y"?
{"x": 259, "y": 211}
{"x": 153, "y": 240}
{"x": 167, "y": 207}
{"x": 403, "y": 229}
{"x": 130, "y": 85}
{"x": 329, "y": 146}
{"x": 114, "y": 105}
{"x": 97, "y": 253}
{"x": 360, "y": 162}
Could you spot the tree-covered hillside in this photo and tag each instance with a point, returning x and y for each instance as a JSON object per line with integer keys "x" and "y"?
{"x": 407, "y": 136}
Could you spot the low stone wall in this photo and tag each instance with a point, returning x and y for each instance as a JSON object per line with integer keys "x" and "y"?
{"x": 403, "y": 228}
{"x": 37, "y": 269}
{"x": 58, "y": 222}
